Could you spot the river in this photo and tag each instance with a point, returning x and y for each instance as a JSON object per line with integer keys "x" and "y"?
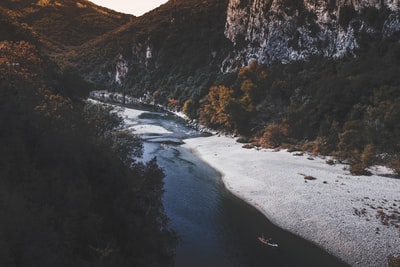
{"x": 215, "y": 227}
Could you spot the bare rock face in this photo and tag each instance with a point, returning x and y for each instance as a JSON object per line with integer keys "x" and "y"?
{"x": 289, "y": 30}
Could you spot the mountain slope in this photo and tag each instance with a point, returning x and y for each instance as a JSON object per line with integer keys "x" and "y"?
{"x": 67, "y": 22}
{"x": 178, "y": 50}
{"x": 175, "y": 50}
{"x": 70, "y": 195}
{"x": 59, "y": 26}
{"x": 284, "y": 30}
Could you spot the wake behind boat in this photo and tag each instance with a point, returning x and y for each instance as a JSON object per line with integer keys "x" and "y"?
{"x": 267, "y": 241}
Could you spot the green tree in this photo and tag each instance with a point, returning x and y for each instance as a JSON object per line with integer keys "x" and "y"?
{"x": 352, "y": 139}
{"x": 190, "y": 109}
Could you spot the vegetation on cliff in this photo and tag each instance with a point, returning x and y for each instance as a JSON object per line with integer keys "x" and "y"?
{"x": 348, "y": 108}
{"x": 174, "y": 51}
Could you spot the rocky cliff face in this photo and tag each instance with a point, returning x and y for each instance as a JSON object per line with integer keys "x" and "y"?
{"x": 288, "y": 30}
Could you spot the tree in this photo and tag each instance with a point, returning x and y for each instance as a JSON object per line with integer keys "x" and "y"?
{"x": 71, "y": 191}
{"x": 189, "y": 108}
{"x": 253, "y": 84}
{"x": 274, "y": 135}
{"x": 217, "y": 108}
{"x": 352, "y": 139}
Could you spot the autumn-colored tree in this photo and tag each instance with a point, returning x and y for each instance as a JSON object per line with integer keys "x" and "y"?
{"x": 173, "y": 104}
{"x": 254, "y": 71}
{"x": 217, "y": 108}
{"x": 274, "y": 134}
{"x": 247, "y": 100}
{"x": 19, "y": 58}
{"x": 252, "y": 84}
{"x": 368, "y": 156}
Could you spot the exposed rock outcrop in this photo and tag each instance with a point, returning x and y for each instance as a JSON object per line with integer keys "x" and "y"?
{"x": 289, "y": 30}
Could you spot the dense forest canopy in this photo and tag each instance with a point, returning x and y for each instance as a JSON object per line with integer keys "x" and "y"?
{"x": 72, "y": 192}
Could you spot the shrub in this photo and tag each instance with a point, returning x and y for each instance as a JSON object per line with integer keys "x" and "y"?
{"x": 243, "y": 139}
{"x": 361, "y": 161}
{"x": 351, "y": 139}
{"x": 368, "y": 156}
{"x": 274, "y": 135}
{"x": 358, "y": 169}
{"x": 394, "y": 163}
{"x": 318, "y": 146}
{"x": 173, "y": 104}
{"x": 248, "y": 146}
{"x": 189, "y": 108}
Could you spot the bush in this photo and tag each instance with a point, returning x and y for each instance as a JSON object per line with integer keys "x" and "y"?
{"x": 274, "y": 135}
{"x": 243, "y": 139}
{"x": 318, "y": 146}
{"x": 359, "y": 162}
{"x": 394, "y": 164}
{"x": 190, "y": 109}
{"x": 368, "y": 157}
{"x": 358, "y": 169}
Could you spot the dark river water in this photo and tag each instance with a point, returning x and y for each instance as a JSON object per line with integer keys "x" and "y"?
{"x": 215, "y": 227}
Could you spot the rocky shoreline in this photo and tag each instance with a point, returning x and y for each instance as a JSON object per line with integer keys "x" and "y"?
{"x": 355, "y": 218}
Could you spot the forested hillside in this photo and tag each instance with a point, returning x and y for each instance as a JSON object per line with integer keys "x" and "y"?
{"x": 174, "y": 51}
{"x": 72, "y": 193}
{"x": 348, "y": 108}
{"x": 60, "y": 25}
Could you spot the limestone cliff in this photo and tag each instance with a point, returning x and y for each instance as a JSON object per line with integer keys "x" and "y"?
{"x": 288, "y": 30}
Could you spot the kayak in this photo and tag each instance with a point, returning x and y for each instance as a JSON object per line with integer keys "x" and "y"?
{"x": 267, "y": 242}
